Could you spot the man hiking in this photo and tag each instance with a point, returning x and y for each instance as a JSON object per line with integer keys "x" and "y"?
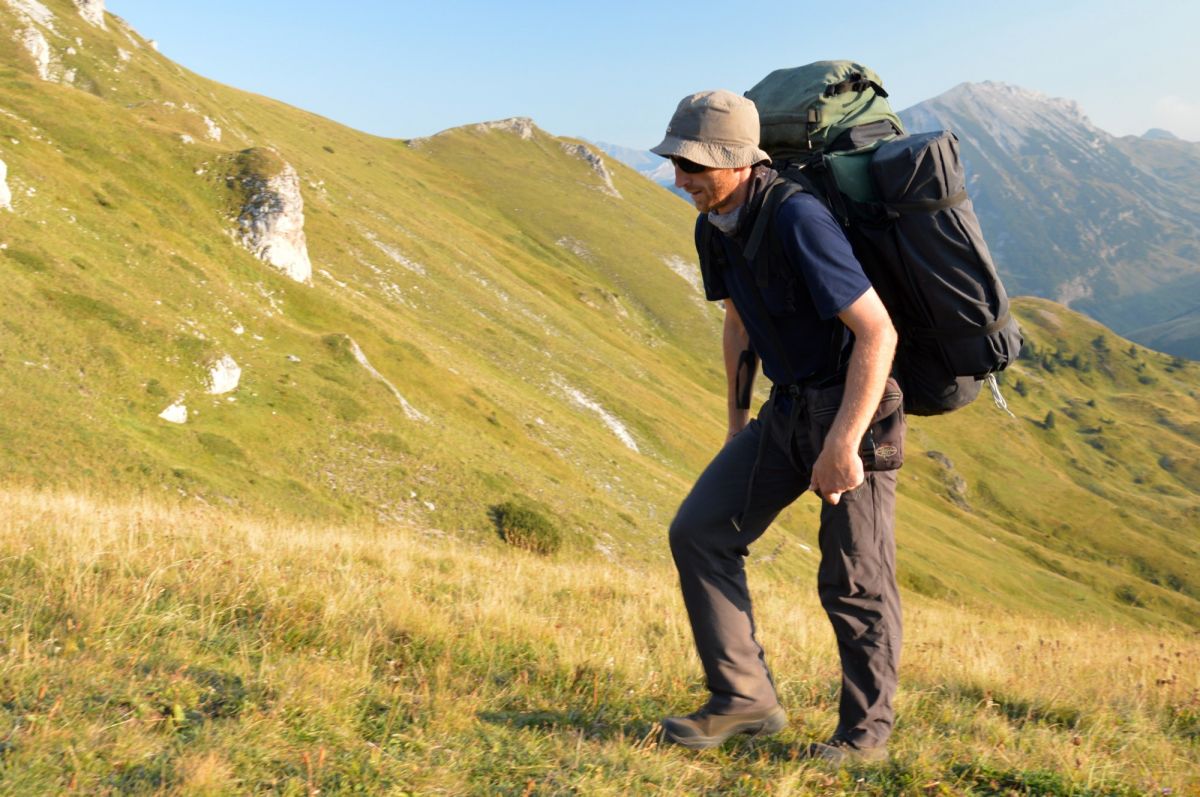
{"x": 816, "y": 318}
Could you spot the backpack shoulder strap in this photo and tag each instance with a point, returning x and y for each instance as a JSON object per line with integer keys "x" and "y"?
{"x": 709, "y": 250}
{"x": 777, "y": 192}
{"x": 781, "y": 189}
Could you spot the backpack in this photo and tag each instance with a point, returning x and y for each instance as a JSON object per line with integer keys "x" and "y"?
{"x": 903, "y": 204}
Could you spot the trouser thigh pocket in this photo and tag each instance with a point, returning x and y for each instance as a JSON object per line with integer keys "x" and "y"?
{"x": 851, "y": 541}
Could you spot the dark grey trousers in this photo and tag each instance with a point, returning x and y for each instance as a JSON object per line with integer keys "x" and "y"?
{"x": 856, "y": 579}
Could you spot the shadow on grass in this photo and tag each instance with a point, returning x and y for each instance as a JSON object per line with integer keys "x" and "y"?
{"x": 589, "y": 724}
{"x": 1020, "y": 711}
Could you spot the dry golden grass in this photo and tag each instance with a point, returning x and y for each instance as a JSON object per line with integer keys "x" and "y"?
{"x": 147, "y": 648}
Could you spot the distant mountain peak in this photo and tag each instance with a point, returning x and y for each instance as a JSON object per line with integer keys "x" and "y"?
{"x": 1007, "y": 114}
{"x": 1158, "y": 134}
{"x": 1017, "y": 100}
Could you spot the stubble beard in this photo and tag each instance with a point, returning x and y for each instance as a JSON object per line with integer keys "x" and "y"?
{"x": 718, "y": 194}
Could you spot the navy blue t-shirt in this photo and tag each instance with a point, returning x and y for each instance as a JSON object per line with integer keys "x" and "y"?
{"x": 822, "y": 278}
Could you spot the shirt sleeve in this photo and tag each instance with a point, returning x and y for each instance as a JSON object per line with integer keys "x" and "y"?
{"x": 817, "y": 248}
{"x": 714, "y": 282}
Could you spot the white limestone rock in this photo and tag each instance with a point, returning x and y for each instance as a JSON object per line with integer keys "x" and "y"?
{"x": 521, "y": 125}
{"x": 223, "y": 376}
{"x": 271, "y": 224}
{"x": 34, "y": 42}
{"x": 5, "y": 193}
{"x": 33, "y": 12}
{"x": 594, "y": 160}
{"x": 176, "y": 413}
{"x": 92, "y": 11}
{"x": 214, "y": 132}
{"x": 410, "y": 412}
{"x": 582, "y": 400}
{"x": 687, "y": 270}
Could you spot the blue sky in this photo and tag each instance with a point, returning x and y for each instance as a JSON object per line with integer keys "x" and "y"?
{"x": 614, "y": 72}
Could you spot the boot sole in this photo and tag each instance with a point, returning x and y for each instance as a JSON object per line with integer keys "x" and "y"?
{"x": 772, "y": 723}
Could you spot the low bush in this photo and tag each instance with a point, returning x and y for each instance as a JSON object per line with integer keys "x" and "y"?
{"x": 523, "y": 526}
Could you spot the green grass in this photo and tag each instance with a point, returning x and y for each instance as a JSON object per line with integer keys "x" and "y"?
{"x": 168, "y": 648}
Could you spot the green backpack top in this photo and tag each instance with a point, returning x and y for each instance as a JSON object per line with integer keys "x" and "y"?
{"x": 804, "y": 109}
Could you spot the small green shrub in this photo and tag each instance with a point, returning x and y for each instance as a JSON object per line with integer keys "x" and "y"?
{"x": 30, "y": 260}
{"x": 1129, "y": 596}
{"x": 523, "y": 526}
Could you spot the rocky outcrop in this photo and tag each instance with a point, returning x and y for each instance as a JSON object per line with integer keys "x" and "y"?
{"x": 956, "y": 485}
{"x": 271, "y": 221}
{"x": 34, "y": 42}
{"x": 5, "y": 193}
{"x": 214, "y": 131}
{"x": 92, "y": 11}
{"x": 33, "y": 12}
{"x": 176, "y": 413}
{"x": 594, "y": 160}
{"x": 36, "y": 19}
{"x": 521, "y": 125}
{"x": 223, "y": 376}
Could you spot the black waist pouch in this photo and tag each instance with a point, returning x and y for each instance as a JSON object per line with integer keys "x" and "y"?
{"x": 882, "y": 446}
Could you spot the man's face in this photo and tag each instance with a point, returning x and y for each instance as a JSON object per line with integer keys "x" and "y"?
{"x": 713, "y": 189}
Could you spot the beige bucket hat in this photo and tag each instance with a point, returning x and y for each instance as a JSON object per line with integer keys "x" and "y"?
{"x": 714, "y": 128}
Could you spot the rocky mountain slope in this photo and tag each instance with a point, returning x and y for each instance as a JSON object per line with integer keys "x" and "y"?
{"x": 214, "y": 297}
{"x": 1109, "y": 226}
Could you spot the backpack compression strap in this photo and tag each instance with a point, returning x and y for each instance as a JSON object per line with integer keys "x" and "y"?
{"x": 856, "y": 82}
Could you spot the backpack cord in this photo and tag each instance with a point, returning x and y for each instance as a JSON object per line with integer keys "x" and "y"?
{"x": 997, "y": 396}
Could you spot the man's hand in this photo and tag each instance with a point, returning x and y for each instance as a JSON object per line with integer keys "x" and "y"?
{"x": 838, "y": 469}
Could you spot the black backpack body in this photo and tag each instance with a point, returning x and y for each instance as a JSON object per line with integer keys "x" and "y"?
{"x": 903, "y": 204}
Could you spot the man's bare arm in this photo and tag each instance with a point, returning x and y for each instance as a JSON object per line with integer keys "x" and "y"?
{"x": 735, "y": 340}
{"x": 838, "y": 468}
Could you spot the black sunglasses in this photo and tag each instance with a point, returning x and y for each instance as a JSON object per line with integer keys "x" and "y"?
{"x": 691, "y": 167}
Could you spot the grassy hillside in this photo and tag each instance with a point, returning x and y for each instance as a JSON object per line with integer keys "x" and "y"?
{"x": 150, "y": 649}
{"x": 534, "y": 333}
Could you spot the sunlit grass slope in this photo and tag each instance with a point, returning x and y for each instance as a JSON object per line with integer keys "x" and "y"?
{"x": 541, "y": 324}
{"x": 513, "y": 302}
{"x": 150, "y": 647}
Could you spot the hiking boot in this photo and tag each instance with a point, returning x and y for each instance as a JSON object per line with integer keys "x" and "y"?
{"x": 704, "y": 728}
{"x": 841, "y": 752}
